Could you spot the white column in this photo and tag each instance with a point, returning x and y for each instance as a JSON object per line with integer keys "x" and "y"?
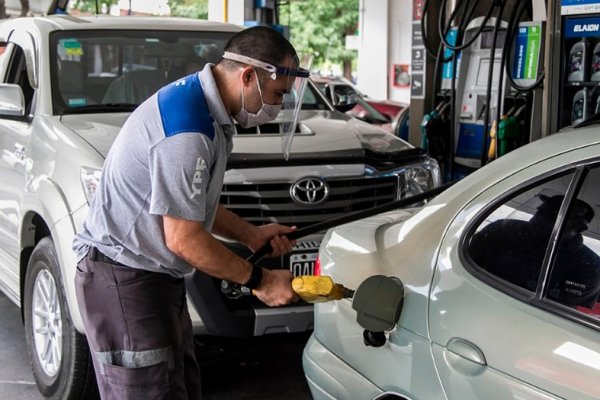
{"x": 400, "y": 42}
{"x": 385, "y": 29}
{"x": 235, "y": 11}
{"x": 373, "y": 57}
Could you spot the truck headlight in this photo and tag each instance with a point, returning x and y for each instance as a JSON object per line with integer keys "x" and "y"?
{"x": 420, "y": 178}
{"x": 90, "y": 179}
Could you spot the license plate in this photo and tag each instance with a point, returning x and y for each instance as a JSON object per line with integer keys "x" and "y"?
{"x": 303, "y": 263}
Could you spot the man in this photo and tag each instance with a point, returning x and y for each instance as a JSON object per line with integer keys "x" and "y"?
{"x": 153, "y": 215}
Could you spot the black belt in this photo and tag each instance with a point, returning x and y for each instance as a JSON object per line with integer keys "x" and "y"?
{"x": 97, "y": 255}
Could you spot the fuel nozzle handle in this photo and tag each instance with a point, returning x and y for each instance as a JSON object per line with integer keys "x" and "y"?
{"x": 318, "y": 289}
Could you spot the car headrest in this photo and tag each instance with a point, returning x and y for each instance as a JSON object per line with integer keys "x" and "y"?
{"x": 70, "y": 76}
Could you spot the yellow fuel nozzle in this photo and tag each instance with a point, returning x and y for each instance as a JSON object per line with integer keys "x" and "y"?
{"x": 317, "y": 289}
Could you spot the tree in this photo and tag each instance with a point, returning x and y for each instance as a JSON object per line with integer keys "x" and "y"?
{"x": 320, "y": 28}
{"x": 89, "y": 6}
{"x": 179, "y": 8}
{"x": 189, "y": 8}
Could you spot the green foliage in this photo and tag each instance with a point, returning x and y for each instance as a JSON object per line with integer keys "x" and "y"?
{"x": 179, "y": 8}
{"x": 189, "y": 8}
{"x": 320, "y": 27}
{"x": 90, "y": 5}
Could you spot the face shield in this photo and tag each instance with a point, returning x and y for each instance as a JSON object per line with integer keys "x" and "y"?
{"x": 295, "y": 73}
{"x": 292, "y": 104}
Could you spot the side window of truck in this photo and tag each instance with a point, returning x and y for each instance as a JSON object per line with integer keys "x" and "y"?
{"x": 16, "y": 72}
{"x": 5, "y": 52}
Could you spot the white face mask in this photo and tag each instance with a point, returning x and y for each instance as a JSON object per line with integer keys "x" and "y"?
{"x": 267, "y": 112}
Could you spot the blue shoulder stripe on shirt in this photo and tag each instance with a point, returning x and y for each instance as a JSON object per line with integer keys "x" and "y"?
{"x": 183, "y": 108}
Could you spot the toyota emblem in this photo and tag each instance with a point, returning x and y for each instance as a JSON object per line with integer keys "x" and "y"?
{"x": 309, "y": 192}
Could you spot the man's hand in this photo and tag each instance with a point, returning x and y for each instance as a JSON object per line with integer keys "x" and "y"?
{"x": 274, "y": 235}
{"x": 276, "y": 288}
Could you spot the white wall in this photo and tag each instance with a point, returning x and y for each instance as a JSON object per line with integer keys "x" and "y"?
{"x": 235, "y": 11}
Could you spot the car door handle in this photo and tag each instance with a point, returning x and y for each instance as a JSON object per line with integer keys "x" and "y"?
{"x": 464, "y": 356}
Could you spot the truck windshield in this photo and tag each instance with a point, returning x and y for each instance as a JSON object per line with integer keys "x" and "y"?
{"x": 111, "y": 70}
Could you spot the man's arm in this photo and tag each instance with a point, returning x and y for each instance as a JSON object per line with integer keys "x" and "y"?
{"x": 191, "y": 242}
{"x": 231, "y": 226}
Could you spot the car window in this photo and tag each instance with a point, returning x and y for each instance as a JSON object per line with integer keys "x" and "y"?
{"x": 512, "y": 241}
{"x": 311, "y": 100}
{"x": 5, "y": 52}
{"x": 16, "y": 73}
{"x": 574, "y": 278}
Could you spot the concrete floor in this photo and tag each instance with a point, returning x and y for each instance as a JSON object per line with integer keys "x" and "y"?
{"x": 265, "y": 368}
{"x": 16, "y": 379}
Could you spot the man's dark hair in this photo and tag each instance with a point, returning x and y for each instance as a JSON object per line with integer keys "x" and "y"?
{"x": 261, "y": 43}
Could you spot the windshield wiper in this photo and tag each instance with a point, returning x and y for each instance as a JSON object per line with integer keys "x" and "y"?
{"x": 100, "y": 108}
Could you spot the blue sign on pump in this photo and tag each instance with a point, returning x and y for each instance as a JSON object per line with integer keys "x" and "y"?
{"x": 582, "y": 27}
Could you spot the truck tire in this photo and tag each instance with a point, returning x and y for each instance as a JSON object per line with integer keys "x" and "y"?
{"x": 60, "y": 357}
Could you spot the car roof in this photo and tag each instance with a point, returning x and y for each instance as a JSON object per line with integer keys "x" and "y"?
{"x": 51, "y": 23}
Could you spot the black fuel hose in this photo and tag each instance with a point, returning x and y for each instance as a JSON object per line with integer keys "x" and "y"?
{"x": 488, "y": 92}
{"x": 321, "y": 226}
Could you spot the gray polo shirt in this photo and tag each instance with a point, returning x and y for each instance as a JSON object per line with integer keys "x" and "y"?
{"x": 168, "y": 159}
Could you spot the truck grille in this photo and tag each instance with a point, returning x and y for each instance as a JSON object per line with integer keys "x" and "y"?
{"x": 271, "y": 202}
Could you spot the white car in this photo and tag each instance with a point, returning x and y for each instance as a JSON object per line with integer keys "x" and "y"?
{"x": 68, "y": 85}
{"x": 490, "y": 291}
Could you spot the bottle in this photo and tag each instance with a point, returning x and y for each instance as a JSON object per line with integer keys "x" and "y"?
{"x": 580, "y": 107}
{"x": 595, "y": 69}
{"x": 577, "y": 68}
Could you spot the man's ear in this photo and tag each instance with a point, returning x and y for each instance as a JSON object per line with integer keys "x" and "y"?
{"x": 247, "y": 75}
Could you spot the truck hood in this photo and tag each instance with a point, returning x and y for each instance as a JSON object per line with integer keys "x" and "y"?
{"x": 319, "y": 133}
{"x": 99, "y": 130}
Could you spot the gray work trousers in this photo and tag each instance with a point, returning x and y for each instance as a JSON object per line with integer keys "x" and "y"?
{"x": 139, "y": 332}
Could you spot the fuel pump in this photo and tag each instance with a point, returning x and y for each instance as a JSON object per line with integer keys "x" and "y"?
{"x": 488, "y": 68}
{"x": 478, "y": 68}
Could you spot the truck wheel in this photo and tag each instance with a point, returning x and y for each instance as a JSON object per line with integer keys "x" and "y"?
{"x": 60, "y": 358}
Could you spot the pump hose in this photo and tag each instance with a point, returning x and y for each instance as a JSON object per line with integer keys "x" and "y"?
{"x": 488, "y": 92}
{"x": 475, "y": 36}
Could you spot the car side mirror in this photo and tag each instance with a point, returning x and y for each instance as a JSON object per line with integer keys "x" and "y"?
{"x": 378, "y": 303}
{"x": 12, "y": 100}
{"x": 343, "y": 97}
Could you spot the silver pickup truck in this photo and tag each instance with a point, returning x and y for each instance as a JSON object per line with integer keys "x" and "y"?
{"x": 68, "y": 85}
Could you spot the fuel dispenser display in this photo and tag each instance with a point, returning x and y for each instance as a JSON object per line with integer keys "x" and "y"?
{"x": 581, "y": 69}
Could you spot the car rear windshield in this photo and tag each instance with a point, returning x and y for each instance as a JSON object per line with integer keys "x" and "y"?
{"x": 119, "y": 69}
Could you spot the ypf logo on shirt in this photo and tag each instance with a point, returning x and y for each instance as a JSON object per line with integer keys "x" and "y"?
{"x": 197, "y": 179}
